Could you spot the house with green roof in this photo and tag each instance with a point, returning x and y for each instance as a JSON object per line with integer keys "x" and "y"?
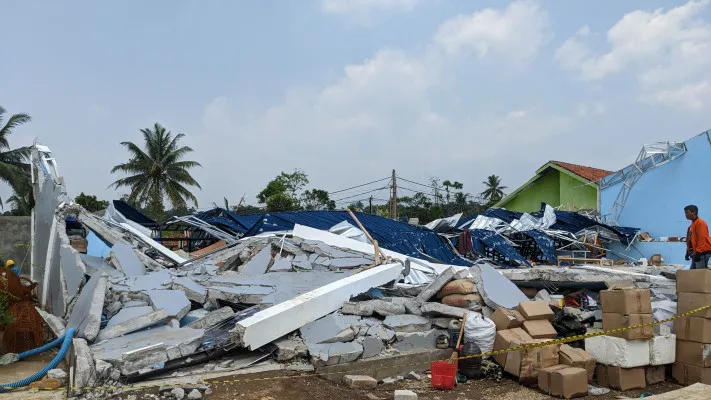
{"x": 566, "y": 186}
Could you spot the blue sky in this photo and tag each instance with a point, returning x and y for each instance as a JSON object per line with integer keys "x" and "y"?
{"x": 347, "y": 90}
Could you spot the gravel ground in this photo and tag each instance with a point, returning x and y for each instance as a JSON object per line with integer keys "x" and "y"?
{"x": 316, "y": 388}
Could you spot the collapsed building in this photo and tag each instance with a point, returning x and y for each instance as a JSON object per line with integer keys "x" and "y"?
{"x": 218, "y": 291}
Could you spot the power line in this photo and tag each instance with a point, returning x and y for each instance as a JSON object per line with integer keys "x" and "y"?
{"x": 417, "y": 191}
{"x": 360, "y": 194}
{"x": 421, "y": 184}
{"x": 358, "y": 186}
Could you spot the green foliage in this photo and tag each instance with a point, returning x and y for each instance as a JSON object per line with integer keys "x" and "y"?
{"x": 282, "y": 194}
{"x": 156, "y": 171}
{"x": 14, "y": 168}
{"x": 5, "y": 317}
{"x": 494, "y": 191}
{"x": 91, "y": 203}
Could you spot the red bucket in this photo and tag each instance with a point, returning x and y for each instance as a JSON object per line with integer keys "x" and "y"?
{"x": 443, "y": 374}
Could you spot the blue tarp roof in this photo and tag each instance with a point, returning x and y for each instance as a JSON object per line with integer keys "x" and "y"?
{"x": 403, "y": 238}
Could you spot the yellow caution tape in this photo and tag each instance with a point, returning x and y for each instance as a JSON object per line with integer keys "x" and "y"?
{"x": 351, "y": 372}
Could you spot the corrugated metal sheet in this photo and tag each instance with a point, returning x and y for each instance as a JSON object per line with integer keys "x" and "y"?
{"x": 493, "y": 240}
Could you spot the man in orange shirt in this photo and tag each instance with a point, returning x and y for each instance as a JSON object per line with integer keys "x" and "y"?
{"x": 700, "y": 239}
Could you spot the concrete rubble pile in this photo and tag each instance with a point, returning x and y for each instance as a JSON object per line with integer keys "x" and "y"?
{"x": 315, "y": 297}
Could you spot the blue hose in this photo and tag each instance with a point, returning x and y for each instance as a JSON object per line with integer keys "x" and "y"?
{"x": 66, "y": 343}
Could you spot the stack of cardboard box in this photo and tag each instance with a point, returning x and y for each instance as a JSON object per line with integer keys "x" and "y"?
{"x": 635, "y": 358}
{"x": 693, "y": 333}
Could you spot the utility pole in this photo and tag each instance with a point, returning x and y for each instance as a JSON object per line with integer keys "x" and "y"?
{"x": 394, "y": 196}
{"x": 370, "y": 205}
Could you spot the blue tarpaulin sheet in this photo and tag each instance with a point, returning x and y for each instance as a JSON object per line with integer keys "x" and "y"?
{"x": 396, "y": 236}
{"x": 493, "y": 240}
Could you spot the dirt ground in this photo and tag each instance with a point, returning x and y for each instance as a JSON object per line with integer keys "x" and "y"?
{"x": 317, "y": 388}
{"x": 23, "y": 369}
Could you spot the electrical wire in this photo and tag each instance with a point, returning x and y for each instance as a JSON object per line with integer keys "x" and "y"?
{"x": 358, "y": 186}
{"x": 421, "y": 184}
{"x": 360, "y": 194}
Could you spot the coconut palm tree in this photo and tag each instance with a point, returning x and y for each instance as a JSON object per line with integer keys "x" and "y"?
{"x": 14, "y": 169}
{"x": 156, "y": 171}
{"x": 494, "y": 191}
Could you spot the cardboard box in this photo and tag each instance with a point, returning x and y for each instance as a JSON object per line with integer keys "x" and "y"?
{"x": 655, "y": 375}
{"x": 693, "y": 329}
{"x": 626, "y": 301}
{"x": 505, "y": 338}
{"x": 612, "y": 321}
{"x": 544, "y": 377}
{"x": 693, "y": 353}
{"x": 563, "y": 381}
{"x": 79, "y": 245}
{"x": 577, "y": 358}
{"x": 689, "y": 374}
{"x": 569, "y": 383}
{"x": 526, "y": 363}
{"x": 540, "y": 329}
{"x": 505, "y": 318}
{"x": 693, "y": 281}
{"x": 535, "y": 310}
{"x": 621, "y": 378}
{"x": 690, "y": 301}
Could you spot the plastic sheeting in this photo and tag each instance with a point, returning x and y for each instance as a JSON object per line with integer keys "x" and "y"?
{"x": 493, "y": 240}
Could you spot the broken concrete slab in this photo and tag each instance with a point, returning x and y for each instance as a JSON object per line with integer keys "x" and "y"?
{"x": 213, "y": 318}
{"x": 86, "y": 315}
{"x": 55, "y": 323}
{"x": 124, "y": 258}
{"x": 289, "y": 348}
{"x": 442, "y": 323}
{"x": 84, "y": 363}
{"x": 173, "y": 343}
{"x": 73, "y": 270}
{"x": 411, "y": 305}
{"x": 174, "y": 302}
{"x": 239, "y": 294}
{"x": 435, "y": 286}
{"x": 331, "y": 329}
{"x": 281, "y": 265}
{"x": 372, "y": 346}
{"x": 407, "y": 323}
{"x": 193, "y": 290}
{"x": 417, "y": 340}
{"x": 193, "y": 315}
{"x": 258, "y": 264}
{"x": 360, "y": 382}
{"x": 381, "y": 332}
{"x": 405, "y": 395}
{"x": 368, "y": 308}
{"x": 334, "y": 353}
{"x": 97, "y": 265}
{"x": 496, "y": 289}
{"x": 161, "y": 279}
{"x": 351, "y": 262}
{"x": 135, "y": 303}
{"x": 385, "y": 366}
{"x": 281, "y": 319}
{"x": 136, "y": 323}
{"x": 127, "y": 314}
{"x": 439, "y": 309}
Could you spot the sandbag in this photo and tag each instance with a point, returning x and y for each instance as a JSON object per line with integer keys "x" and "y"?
{"x": 469, "y": 301}
{"x": 457, "y": 286}
{"x": 480, "y": 330}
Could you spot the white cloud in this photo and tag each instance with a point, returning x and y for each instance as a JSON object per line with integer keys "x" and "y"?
{"x": 516, "y": 33}
{"x": 584, "y": 110}
{"x": 665, "y": 50}
{"x": 691, "y": 97}
{"x": 584, "y": 31}
{"x": 361, "y": 6}
{"x": 516, "y": 114}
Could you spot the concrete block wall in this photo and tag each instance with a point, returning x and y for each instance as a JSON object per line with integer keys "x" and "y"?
{"x": 15, "y": 241}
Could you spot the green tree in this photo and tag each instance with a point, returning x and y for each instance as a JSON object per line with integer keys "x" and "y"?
{"x": 158, "y": 171}
{"x": 91, "y": 203}
{"x": 494, "y": 190}
{"x": 317, "y": 199}
{"x": 14, "y": 169}
{"x": 281, "y": 202}
{"x": 22, "y": 202}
